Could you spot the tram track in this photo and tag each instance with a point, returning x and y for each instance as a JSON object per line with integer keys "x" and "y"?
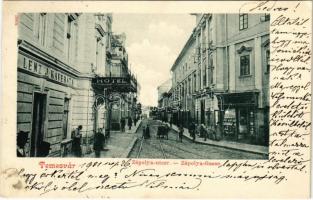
{"x": 172, "y": 145}
{"x": 163, "y": 152}
{"x": 140, "y": 148}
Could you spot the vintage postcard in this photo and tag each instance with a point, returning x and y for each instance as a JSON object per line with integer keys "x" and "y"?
{"x": 156, "y": 99}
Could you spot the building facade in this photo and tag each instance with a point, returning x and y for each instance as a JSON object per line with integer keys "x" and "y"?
{"x": 59, "y": 55}
{"x": 164, "y": 95}
{"x": 125, "y": 106}
{"x": 221, "y": 76}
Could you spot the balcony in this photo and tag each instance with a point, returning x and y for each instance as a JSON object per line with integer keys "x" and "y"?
{"x": 109, "y": 53}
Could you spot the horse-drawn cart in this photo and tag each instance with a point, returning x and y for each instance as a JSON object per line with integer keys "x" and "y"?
{"x": 163, "y": 131}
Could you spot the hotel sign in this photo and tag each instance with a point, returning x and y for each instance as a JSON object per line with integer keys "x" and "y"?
{"x": 119, "y": 84}
{"x": 44, "y": 71}
{"x": 110, "y": 80}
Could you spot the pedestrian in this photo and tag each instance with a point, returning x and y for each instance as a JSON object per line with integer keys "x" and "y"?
{"x": 167, "y": 130}
{"x": 144, "y": 132}
{"x": 203, "y": 132}
{"x": 135, "y": 121}
{"x": 192, "y": 131}
{"x": 43, "y": 149}
{"x": 219, "y": 131}
{"x": 171, "y": 122}
{"x": 21, "y": 140}
{"x": 123, "y": 124}
{"x": 77, "y": 150}
{"x": 98, "y": 143}
{"x": 180, "y": 133}
{"x": 147, "y": 131}
{"x": 130, "y": 123}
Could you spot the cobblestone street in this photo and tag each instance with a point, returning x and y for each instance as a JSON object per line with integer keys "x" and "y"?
{"x": 173, "y": 149}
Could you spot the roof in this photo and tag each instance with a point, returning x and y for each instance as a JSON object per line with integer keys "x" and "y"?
{"x": 183, "y": 51}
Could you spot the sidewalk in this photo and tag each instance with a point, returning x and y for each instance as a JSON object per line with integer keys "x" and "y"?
{"x": 226, "y": 144}
{"x": 119, "y": 144}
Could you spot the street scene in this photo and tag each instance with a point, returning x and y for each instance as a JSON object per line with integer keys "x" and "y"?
{"x": 172, "y": 147}
{"x": 166, "y": 86}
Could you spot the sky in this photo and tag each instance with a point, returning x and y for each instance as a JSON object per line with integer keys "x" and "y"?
{"x": 153, "y": 42}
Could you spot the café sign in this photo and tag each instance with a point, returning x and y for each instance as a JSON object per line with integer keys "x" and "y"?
{"x": 37, "y": 68}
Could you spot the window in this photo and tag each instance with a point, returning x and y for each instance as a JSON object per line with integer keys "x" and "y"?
{"x": 194, "y": 82}
{"x": 243, "y": 21}
{"x": 204, "y": 76}
{"x": 65, "y": 117}
{"x": 267, "y": 17}
{"x": 244, "y": 65}
{"x": 267, "y": 57}
{"x": 211, "y": 69}
{"x": 71, "y": 37}
{"x": 41, "y": 28}
{"x": 98, "y": 52}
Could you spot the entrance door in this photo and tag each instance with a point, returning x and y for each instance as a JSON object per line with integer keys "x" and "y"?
{"x": 39, "y": 112}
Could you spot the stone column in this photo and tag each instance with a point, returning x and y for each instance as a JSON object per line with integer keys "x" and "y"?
{"x": 258, "y": 69}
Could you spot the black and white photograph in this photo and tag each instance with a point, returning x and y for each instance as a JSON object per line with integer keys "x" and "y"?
{"x": 151, "y": 86}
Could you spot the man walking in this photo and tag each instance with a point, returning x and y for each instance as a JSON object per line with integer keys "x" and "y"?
{"x": 180, "y": 133}
{"x": 98, "y": 143}
{"x": 130, "y": 123}
{"x": 76, "y": 141}
{"x": 21, "y": 140}
{"x": 123, "y": 124}
{"x": 192, "y": 131}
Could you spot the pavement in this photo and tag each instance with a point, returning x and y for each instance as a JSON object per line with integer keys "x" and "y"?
{"x": 119, "y": 144}
{"x": 226, "y": 144}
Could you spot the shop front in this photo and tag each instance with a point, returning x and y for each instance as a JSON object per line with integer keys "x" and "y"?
{"x": 44, "y": 101}
{"x": 239, "y": 117}
{"x": 114, "y": 91}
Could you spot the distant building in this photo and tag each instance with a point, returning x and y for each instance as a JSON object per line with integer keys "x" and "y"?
{"x": 163, "y": 98}
{"x": 221, "y": 76}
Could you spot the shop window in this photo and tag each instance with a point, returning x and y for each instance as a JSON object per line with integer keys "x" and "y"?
{"x": 243, "y": 21}
{"x": 244, "y": 65}
{"x": 65, "y": 117}
{"x": 243, "y": 122}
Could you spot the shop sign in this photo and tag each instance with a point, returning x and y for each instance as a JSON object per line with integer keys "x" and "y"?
{"x": 37, "y": 68}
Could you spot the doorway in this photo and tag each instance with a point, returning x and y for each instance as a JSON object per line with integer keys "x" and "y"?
{"x": 38, "y": 122}
{"x": 202, "y": 111}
